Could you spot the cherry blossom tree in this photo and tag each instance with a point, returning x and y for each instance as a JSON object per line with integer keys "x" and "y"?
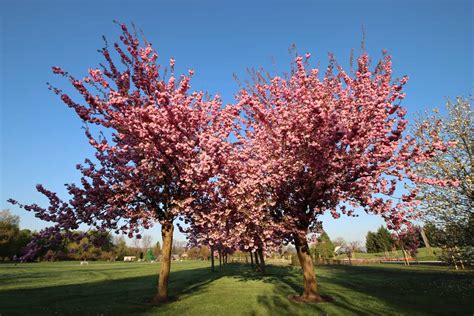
{"x": 234, "y": 215}
{"x": 159, "y": 145}
{"x": 205, "y": 226}
{"x": 408, "y": 239}
{"x": 331, "y": 144}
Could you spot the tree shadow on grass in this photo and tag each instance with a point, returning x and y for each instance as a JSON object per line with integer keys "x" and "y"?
{"x": 288, "y": 281}
{"x": 125, "y": 296}
{"x": 355, "y": 289}
{"x": 369, "y": 290}
{"x": 285, "y": 281}
{"x": 409, "y": 290}
{"x": 380, "y": 290}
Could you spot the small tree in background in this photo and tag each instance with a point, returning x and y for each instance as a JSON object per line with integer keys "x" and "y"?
{"x": 9, "y": 229}
{"x": 193, "y": 253}
{"x": 409, "y": 241}
{"x": 149, "y": 255}
{"x": 352, "y": 248}
{"x": 433, "y": 233}
{"x": 339, "y": 242}
{"x": 455, "y": 241}
{"x": 204, "y": 252}
{"x": 178, "y": 247}
{"x": 371, "y": 242}
{"x": 120, "y": 248}
{"x": 21, "y": 240}
{"x": 137, "y": 248}
{"x": 380, "y": 241}
{"x": 12, "y": 239}
{"x": 146, "y": 242}
{"x": 384, "y": 240}
{"x": 324, "y": 248}
{"x": 87, "y": 249}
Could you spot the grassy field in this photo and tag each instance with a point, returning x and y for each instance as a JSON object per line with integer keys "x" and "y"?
{"x": 67, "y": 288}
{"x": 422, "y": 255}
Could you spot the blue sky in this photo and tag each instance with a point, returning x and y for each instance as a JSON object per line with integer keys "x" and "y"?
{"x": 42, "y": 140}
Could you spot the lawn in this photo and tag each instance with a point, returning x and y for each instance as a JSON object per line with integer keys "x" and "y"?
{"x": 67, "y": 288}
{"x": 422, "y": 254}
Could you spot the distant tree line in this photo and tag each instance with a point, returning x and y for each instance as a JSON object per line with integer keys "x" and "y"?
{"x": 12, "y": 239}
{"x": 13, "y": 242}
{"x": 384, "y": 241}
{"x": 324, "y": 248}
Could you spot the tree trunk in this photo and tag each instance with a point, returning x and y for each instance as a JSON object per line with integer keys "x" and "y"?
{"x": 212, "y": 259}
{"x": 220, "y": 258}
{"x": 426, "y": 241}
{"x": 251, "y": 259}
{"x": 257, "y": 262}
{"x": 452, "y": 257}
{"x": 262, "y": 260}
{"x": 407, "y": 263}
{"x": 460, "y": 257}
{"x": 311, "y": 291}
{"x": 167, "y": 236}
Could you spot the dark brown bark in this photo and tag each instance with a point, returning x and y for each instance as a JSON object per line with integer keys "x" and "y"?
{"x": 311, "y": 291}
{"x": 251, "y": 260}
{"x": 220, "y": 258}
{"x": 167, "y": 236}
{"x": 257, "y": 262}
{"x": 262, "y": 260}
{"x": 212, "y": 259}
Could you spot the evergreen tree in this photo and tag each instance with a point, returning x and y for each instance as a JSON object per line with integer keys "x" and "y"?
{"x": 371, "y": 242}
{"x": 149, "y": 255}
{"x": 384, "y": 240}
{"x": 324, "y": 249}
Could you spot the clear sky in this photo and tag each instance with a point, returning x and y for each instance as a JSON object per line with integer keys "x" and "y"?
{"x": 42, "y": 140}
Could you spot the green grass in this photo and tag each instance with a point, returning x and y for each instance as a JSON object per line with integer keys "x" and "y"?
{"x": 66, "y": 288}
{"x": 422, "y": 255}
